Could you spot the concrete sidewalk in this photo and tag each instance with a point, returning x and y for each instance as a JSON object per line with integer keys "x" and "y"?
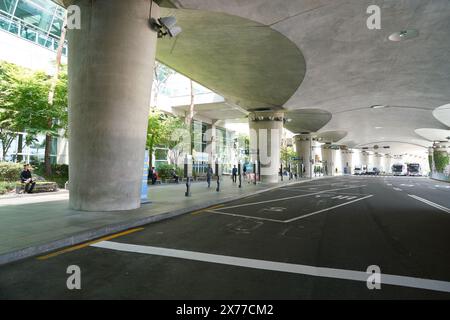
{"x": 34, "y": 224}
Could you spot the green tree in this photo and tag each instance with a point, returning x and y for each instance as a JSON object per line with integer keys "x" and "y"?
{"x": 175, "y": 140}
{"x": 24, "y": 104}
{"x": 441, "y": 160}
{"x": 156, "y": 131}
{"x": 8, "y": 126}
{"x": 286, "y": 155}
{"x": 165, "y": 131}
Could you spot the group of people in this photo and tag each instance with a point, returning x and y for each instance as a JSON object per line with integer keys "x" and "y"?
{"x": 153, "y": 175}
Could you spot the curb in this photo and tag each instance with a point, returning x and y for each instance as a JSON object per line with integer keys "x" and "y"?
{"x": 118, "y": 227}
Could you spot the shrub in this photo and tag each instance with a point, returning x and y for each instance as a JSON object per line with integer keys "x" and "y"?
{"x": 164, "y": 170}
{"x": 10, "y": 171}
{"x": 441, "y": 160}
{"x": 6, "y": 186}
{"x": 60, "y": 170}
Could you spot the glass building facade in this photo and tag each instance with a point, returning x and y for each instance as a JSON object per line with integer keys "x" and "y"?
{"x": 38, "y": 21}
{"x": 33, "y": 153}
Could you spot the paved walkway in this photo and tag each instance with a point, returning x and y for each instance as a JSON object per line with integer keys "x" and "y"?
{"x": 33, "y": 224}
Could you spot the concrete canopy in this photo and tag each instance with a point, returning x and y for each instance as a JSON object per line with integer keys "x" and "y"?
{"x": 248, "y": 63}
{"x": 239, "y": 48}
{"x": 215, "y": 111}
{"x": 350, "y": 68}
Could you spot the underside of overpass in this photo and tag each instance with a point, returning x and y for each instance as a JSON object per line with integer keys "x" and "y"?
{"x": 297, "y": 55}
{"x": 354, "y": 97}
{"x": 317, "y": 62}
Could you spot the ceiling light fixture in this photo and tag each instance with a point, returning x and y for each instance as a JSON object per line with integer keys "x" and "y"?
{"x": 377, "y": 106}
{"x": 404, "y": 35}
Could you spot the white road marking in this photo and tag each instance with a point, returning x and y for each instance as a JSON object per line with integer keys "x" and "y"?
{"x": 243, "y": 216}
{"x": 288, "y": 198}
{"x": 397, "y": 189}
{"x": 290, "y": 220}
{"x": 430, "y": 203}
{"x": 388, "y": 279}
{"x": 327, "y": 209}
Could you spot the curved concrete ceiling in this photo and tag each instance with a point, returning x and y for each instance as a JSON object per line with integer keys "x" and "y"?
{"x": 250, "y": 64}
{"x": 396, "y": 148}
{"x": 331, "y": 136}
{"x": 306, "y": 120}
{"x": 442, "y": 114}
{"x": 393, "y": 123}
{"x": 350, "y": 67}
{"x": 432, "y": 134}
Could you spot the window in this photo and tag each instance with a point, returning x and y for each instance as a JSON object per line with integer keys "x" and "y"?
{"x": 4, "y": 24}
{"x": 7, "y": 5}
{"x": 28, "y": 34}
{"x": 56, "y": 27}
{"x": 14, "y": 28}
{"x": 32, "y": 14}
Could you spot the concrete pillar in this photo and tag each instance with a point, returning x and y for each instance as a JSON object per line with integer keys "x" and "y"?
{"x": 303, "y": 145}
{"x": 265, "y": 141}
{"x": 365, "y": 161}
{"x": 111, "y": 61}
{"x": 387, "y": 163}
{"x": 336, "y": 156}
{"x": 431, "y": 159}
{"x": 62, "y": 149}
{"x": 347, "y": 161}
{"x": 327, "y": 160}
{"x": 378, "y": 161}
{"x": 211, "y": 148}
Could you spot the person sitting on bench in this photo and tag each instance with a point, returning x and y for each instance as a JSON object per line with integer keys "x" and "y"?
{"x": 174, "y": 175}
{"x": 26, "y": 178}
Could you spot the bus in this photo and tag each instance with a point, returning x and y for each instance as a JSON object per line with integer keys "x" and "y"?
{"x": 398, "y": 169}
{"x": 413, "y": 169}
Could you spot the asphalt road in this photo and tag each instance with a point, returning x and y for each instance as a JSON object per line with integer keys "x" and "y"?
{"x": 313, "y": 240}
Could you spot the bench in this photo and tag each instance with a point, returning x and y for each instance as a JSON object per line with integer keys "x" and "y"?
{"x": 40, "y": 187}
{"x": 172, "y": 180}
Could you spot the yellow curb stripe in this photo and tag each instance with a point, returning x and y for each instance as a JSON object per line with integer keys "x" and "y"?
{"x": 86, "y": 244}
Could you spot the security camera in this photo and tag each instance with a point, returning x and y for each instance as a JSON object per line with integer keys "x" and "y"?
{"x": 165, "y": 26}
